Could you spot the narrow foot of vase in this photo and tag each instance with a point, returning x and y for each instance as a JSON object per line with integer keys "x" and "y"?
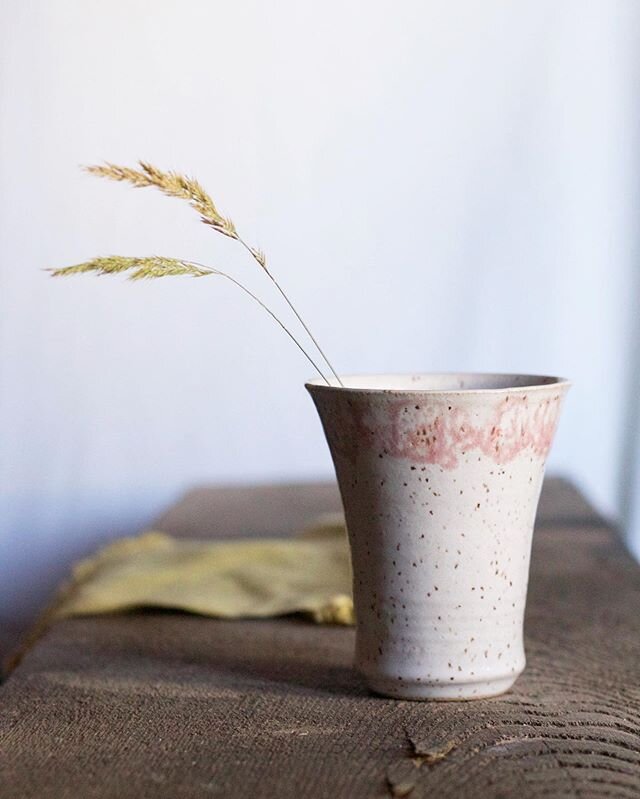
{"x": 425, "y": 691}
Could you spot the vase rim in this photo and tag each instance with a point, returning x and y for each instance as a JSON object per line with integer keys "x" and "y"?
{"x": 422, "y": 383}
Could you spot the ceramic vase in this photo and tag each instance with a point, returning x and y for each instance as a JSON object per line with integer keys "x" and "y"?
{"x": 440, "y": 477}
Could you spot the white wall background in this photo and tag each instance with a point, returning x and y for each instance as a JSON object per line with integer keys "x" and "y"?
{"x": 440, "y": 186}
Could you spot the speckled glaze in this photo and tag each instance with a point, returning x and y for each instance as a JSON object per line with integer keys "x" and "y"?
{"x": 440, "y": 477}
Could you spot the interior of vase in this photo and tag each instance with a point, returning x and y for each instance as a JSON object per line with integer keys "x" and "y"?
{"x": 439, "y": 382}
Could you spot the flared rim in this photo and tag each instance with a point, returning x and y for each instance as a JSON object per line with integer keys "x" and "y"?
{"x": 439, "y": 383}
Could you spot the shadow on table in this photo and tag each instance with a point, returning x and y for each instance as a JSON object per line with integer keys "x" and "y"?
{"x": 181, "y": 650}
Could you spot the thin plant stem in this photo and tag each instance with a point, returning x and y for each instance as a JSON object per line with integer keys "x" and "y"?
{"x": 249, "y": 293}
{"x": 174, "y": 184}
{"x": 291, "y": 305}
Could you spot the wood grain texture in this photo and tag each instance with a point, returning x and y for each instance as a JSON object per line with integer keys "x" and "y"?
{"x": 168, "y": 705}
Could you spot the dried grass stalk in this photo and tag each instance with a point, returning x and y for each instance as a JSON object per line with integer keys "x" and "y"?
{"x": 158, "y": 266}
{"x": 173, "y": 184}
{"x": 139, "y": 268}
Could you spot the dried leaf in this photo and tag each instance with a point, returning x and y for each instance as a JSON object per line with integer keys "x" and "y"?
{"x": 428, "y": 752}
{"x": 402, "y": 779}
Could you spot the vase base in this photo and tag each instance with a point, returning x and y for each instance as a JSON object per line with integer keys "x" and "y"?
{"x": 441, "y": 692}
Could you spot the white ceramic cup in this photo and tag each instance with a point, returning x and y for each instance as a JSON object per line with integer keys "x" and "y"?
{"x": 440, "y": 476}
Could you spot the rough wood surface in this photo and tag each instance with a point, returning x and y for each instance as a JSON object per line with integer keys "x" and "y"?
{"x": 168, "y": 705}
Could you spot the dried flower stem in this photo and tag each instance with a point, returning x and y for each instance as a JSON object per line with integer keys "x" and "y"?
{"x": 259, "y": 257}
{"x": 138, "y": 268}
{"x": 249, "y": 293}
{"x": 157, "y": 266}
{"x": 174, "y": 184}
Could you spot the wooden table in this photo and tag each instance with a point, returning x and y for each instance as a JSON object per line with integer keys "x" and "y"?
{"x": 169, "y": 705}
